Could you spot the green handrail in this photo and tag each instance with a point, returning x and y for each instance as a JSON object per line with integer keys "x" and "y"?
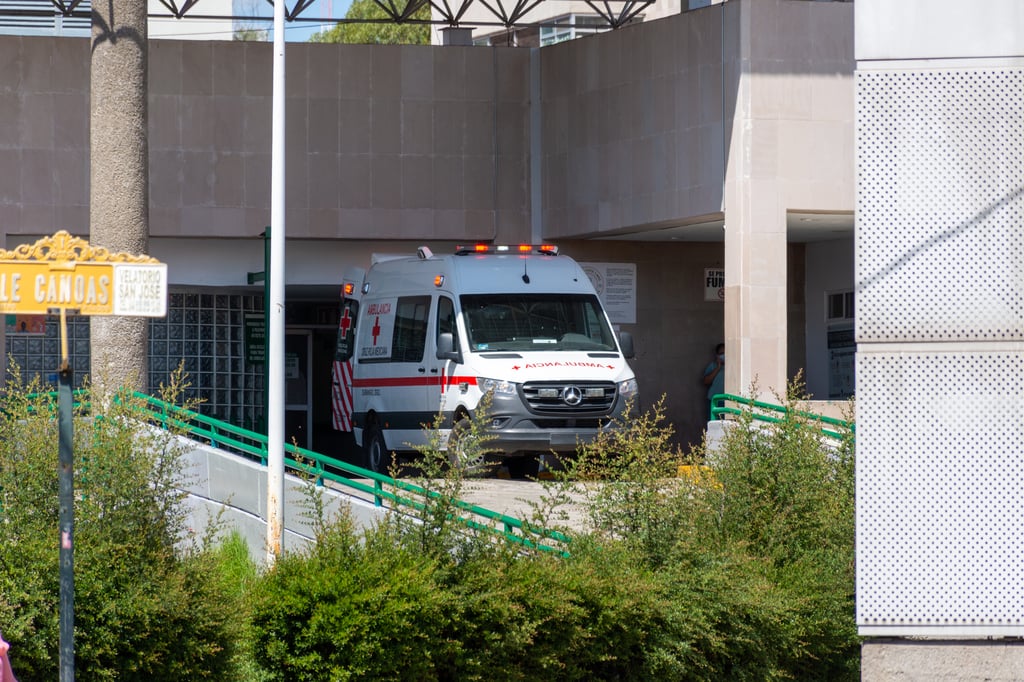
{"x": 762, "y": 411}
{"x": 221, "y": 434}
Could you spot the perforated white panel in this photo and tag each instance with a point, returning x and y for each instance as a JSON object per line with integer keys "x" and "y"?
{"x": 940, "y": 490}
{"x": 940, "y": 205}
{"x": 940, "y": 367}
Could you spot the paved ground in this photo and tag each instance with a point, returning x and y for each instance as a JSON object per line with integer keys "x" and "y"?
{"x": 521, "y": 499}
{"x": 518, "y": 498}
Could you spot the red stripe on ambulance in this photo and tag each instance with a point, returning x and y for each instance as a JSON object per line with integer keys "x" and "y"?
{"x": 381, "y": 382}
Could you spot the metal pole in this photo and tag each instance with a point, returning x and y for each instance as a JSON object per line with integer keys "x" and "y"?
{"x": 66, "y": 498}
{"x": 275, "y": 342}
{"x": 266, "y": 326}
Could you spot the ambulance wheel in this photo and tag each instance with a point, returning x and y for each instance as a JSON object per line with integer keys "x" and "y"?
{"x": 377, "y": 457}
{"x": 463, "y": 454}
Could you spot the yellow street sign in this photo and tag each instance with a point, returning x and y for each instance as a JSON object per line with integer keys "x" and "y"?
{"x": 65, "y": 273}
{"x": 34, "y": 288}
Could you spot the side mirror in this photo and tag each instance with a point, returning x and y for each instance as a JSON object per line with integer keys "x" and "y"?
{"x": 446, "y": 348}
{"x": 626, "y": 344}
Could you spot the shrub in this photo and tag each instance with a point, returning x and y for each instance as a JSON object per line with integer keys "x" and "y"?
{"x": 356, "y": 606}
{"x": 146, "y": 603}
{"x": 742, "y": 574}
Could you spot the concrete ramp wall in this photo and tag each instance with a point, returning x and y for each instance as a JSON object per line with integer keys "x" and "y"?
{"x": 231, "y": 491}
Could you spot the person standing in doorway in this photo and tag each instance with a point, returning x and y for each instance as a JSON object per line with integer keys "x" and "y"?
{"x": 714, "y": 375}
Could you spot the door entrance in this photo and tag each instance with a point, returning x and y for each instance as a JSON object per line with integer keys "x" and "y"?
{"x": 298, "y": 390}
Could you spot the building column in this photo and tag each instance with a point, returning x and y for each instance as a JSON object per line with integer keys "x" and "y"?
{"x": 755, "y": 292}
{"x": 119, "y": 177}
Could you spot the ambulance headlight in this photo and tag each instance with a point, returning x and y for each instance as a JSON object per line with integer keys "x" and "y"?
{"x": 499, "y": 386}
{"x": 628, "y": 388}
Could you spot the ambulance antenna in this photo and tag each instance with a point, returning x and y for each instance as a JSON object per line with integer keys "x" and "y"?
{"x": 526, "y": 277}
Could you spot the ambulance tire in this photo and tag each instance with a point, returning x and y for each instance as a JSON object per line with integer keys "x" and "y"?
{"x": 378, "y": 459}
{"x": 470, "y": 463}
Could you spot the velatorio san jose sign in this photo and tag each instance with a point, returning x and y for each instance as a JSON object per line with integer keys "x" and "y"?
{"x": 63, "y": 272}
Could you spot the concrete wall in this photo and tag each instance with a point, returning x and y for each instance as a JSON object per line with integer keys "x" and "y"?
{"x": 231, "y": 492}
{"x": 676, "y": 329}
{"x": 632, "y": 127}
{"x": 927, "y": 661}
{"x": 394, "y": 142}
{"x": 742, "y": 112}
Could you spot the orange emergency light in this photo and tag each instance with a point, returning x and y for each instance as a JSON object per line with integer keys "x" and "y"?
{"x": 545, "y": 249}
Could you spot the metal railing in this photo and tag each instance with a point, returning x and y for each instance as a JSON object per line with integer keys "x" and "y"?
{"x": 383, "y": 489}
{"x": 728, "y": 404}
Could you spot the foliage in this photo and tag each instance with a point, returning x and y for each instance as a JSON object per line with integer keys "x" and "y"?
{"x": 626, "y": 476}
{"x": 371, "y": 25}
{"x": 146, "y": 605}
{"x": 743, "y": 572}
{"x": 251, "y": 33}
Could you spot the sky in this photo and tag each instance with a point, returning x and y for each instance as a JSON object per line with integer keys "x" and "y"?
{"x": 300, "y": 31}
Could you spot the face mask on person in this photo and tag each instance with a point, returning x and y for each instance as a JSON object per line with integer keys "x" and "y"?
{"x": 722, "y": 357}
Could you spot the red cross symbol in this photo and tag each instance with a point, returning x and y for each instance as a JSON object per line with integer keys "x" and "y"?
{"x": 345, "y": 323}
{"x": 376, "y": 329}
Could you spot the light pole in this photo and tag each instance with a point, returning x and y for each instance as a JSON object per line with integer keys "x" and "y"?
{"x": 275, "y": 308}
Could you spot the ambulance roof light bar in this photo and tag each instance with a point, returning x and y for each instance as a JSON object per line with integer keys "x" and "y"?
{"x": 544, "y": 249}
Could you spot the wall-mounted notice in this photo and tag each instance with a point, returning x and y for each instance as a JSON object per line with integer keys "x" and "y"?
{"x": 616, "y": 287}
{"x": 714, "y": 284}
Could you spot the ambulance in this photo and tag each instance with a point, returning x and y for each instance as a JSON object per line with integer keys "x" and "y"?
{"x": 426, "y": 335}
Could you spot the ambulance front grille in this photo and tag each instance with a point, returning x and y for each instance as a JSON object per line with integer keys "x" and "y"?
{"x": 559, "y": 397}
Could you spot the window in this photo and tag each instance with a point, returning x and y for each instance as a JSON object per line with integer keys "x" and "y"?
{"x": 548, "y": 322}
{"x": 446, "y": 320}
{"x": 571, "y": 26}
{"x": 838, "y": 306}
{"x": 410, "y": 335}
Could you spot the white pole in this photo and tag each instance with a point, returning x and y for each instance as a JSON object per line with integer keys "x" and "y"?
{"x": 275, "y": 350}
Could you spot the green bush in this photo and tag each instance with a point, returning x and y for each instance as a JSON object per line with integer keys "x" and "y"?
{"x": 148, "y": 604}
{"x": 356, "y": 607}
{"x": 745, "y": 573}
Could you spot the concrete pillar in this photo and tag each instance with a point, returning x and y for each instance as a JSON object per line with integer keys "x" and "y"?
{"x": 755, "y": 295}
{"x": 755, "y": 239}
{"x": 119, "y": 176}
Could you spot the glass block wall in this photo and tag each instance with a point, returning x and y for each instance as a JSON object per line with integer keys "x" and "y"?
{"x": 37, "y": 352}
{"x": 203, "y": 332}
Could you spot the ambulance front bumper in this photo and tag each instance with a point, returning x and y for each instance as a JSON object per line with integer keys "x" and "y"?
{"x": 518, "y": 430}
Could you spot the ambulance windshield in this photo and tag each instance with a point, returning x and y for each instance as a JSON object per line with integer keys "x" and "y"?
{"x": 545, "y": 322}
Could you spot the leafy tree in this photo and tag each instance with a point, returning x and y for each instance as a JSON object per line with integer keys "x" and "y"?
{"x": 374, "y": 26}
{"x": 251, "y": 33}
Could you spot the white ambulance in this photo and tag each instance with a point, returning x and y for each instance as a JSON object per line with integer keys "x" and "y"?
{"x": 425, "y": 335}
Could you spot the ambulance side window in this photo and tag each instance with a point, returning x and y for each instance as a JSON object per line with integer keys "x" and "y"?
{"x": 446, "y": 319}
{"x": 410, "y": 336}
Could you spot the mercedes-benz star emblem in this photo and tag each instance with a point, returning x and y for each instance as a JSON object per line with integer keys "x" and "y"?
{"x": 572, "y": 395}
